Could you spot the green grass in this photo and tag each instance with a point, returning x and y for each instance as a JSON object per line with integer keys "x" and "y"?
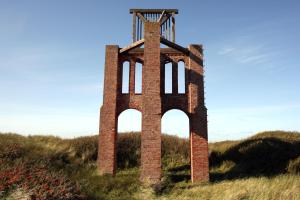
{"x": 264, "y": 166}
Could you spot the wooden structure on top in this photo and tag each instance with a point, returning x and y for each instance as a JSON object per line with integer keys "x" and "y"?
{"x": 166, "y": 18}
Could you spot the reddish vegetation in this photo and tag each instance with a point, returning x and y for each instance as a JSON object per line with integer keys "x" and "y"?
{"x": 41, "y": 183}
{"x": 34, "y": 177}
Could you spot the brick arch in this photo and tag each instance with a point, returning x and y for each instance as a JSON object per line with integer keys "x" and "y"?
{"x": 131, "y": 122}
{"x": 128, "y": 109}
{"x": 183, "y": 111}
{"x": 126, "y": 105}
{"x": 181, "y": 60}
{"x": 174, "y": 116}
{"x": 153, "y": 103}
{"x": 167, "y": 61}
{"x": 138, "y": 60}
{"x": 124, "y": 60}
{"x": 170, "y": 103}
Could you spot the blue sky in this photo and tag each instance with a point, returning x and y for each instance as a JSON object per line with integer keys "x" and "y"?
{"x": 52, "y": 58}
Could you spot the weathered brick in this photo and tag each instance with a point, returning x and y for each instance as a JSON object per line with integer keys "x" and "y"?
{"x": 153, "y": 103}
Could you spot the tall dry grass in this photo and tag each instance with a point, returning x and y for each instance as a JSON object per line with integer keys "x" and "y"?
{"x": 282, "y": 187}
{"x": 264, "y": 166}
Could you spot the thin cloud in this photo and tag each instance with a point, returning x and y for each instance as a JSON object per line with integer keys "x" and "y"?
{"x": 226, "y": 51}
{"x": 247, "y": 54}
{"x": 255, "y": 59}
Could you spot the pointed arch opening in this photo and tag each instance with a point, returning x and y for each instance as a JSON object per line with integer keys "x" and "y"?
{"x": 125, "y": 77}
{"x": 129, "y": 139}
{"x": 168, "y": 78}
{"x": 181, "y": 77}
{"x": 138, "y": 77}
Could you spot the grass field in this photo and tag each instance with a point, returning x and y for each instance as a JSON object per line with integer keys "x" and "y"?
{"x": 265, "y": 166}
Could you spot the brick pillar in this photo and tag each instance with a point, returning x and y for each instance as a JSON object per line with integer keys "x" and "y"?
{"x": 198, "y": 121}
{"x": 162, "y": 76}
{"x": 151, "y": 100}
{"x": 108, "y": 113}
{"x": 174, "y": 78}
{"x": 132, "y": 77}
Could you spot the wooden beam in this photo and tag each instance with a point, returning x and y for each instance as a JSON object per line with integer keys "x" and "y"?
{"x": 169, "y": 29}
{"x": 174, "y": 45}
{"x": 141, "y": 17}
{"x": 173, "y": 27}
{"x": 165, "y": 18}
{"x": 133, "y": 45}
{"x": 153, "y": 10}
{"x": 134, "y": 27}
{"x": 161, "y": 16}
{"x": 138, "y": 29}
{"x": 141, "y": 30}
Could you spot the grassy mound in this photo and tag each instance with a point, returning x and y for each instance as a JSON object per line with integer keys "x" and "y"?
{"x": 264, "y": 154}
{"x": 46, "y": 167}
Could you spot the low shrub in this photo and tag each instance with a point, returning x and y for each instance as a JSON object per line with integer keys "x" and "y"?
{"x": 39, "y": 182}
{"x": 10, "y": 152}
{"x": 84, "y": 148}
{"x": 128, "y": 150}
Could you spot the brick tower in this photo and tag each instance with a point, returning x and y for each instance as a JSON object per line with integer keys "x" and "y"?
{"x": 151, "y": 28}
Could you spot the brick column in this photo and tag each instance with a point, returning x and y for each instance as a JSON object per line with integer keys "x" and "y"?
{"x": 151, "y": 100}
{"x": 108, "y": 113}
{"x": 132, "y": 77}
{"x": 174, "y": 78}
{"x": 198, "y": 117}
{"x": 162, "y": 77}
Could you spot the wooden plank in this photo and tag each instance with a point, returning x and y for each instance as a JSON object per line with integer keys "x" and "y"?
{"x": 173, "y": 27}
{"x": 174, "y": 45}
{"x": 161, "y": 16}
{"x": 169, "y": 29}
{"x": 141, "y": 17}
{"x": 138, "y": 29}
{"x": 134, "y": 27}
{"x": 164, "y": 19}
{"x": 132, "y": 46}
{"x": 141, "y": 30}
{"x": 153, "y": 10}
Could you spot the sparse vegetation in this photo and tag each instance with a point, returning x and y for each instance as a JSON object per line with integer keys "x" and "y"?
{"x": 265, "y": 166}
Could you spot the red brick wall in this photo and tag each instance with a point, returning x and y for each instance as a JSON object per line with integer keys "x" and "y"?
{"x": 108, "y": 113}
{"x": 198, "y": 117}
{"x": 153, "y": 103}
{"x": 151, "y": 106}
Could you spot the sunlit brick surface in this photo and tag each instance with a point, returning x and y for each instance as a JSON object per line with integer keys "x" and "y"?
{"x": 153, "y": 103}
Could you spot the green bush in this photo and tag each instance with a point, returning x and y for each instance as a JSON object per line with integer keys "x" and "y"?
{"x": 84, "y": 148}
{"x": 128, "y": 150}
